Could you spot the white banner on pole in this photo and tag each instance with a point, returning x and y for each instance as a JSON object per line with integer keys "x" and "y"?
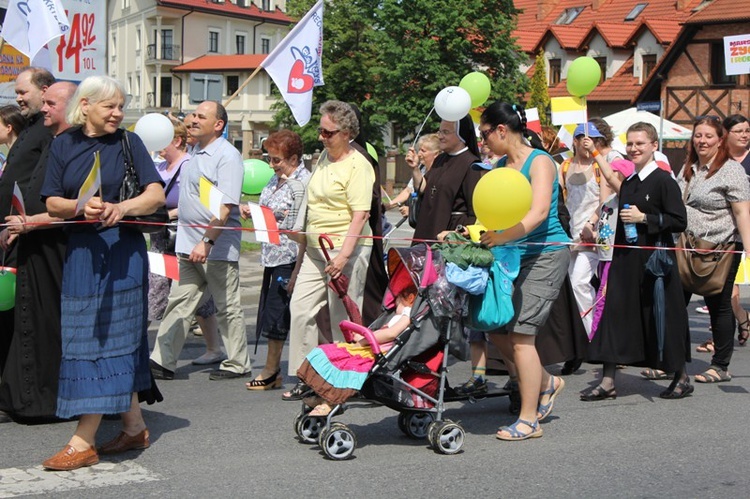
{"x": 737, "y": 54}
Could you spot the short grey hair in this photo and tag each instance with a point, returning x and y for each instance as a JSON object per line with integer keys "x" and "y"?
{"x": 94, "y": 89}
{"x": 343, "y": 115}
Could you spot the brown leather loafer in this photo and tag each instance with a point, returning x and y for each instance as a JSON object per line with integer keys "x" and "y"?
{"x": 70, "y": 459}
{"x": 124, "y": 442}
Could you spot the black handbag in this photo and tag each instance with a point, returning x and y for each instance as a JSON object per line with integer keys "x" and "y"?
{"x": 413, "y": 203}
{"x": 130, "y": 189}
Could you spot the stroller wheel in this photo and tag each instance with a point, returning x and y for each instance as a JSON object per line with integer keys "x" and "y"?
{"x": 338, "y": 442}
{"x": 308, "y": 428}
{"x": 402, "y": 421}
{"x": 447, "y": 437}
{"x": 416, "y": 424}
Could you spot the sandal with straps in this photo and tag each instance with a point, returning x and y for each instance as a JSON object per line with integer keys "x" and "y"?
{"x": 544, "y": 410}
{"x": 706, "y": 347}
{"x": 743, "y": 331}
{"x": 300, "y": 391}
{"x": 515, "y": 434}
{"x": 718, "y": 375}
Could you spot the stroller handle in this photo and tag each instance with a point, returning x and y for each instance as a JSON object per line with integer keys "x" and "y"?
{"x": 349, "y": 327}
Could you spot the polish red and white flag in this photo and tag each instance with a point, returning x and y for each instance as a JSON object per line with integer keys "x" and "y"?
{"x": 264, "y": 222}
{"x": 17, "y": 200}
{"x": 164, "y": 265}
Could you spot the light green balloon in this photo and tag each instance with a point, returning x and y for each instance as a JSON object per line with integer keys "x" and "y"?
{"x": 584, "y": 75}
{"x": 372, "y": 151}
{"x": 257, "y": 175}
{"x": 478, "y": 86}
{"x": 7, "y": 290}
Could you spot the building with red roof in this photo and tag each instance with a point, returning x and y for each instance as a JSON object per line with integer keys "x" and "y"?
{"x": 627, "y": 38}
{"x": 173, "y": 54}
{"x": 691, "y": 79}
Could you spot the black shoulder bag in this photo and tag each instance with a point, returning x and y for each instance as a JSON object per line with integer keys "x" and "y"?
{"x": 130, "y": 189}
{"x": 413, "y": 203}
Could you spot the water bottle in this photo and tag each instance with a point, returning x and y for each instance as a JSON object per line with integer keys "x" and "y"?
{"x": 631, "y": 233}
{"x": 283, "y": 282}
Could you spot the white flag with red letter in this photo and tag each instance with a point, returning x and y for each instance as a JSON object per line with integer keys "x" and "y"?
{"x": 31, "y": 24}
{"x": 296, "y": 64}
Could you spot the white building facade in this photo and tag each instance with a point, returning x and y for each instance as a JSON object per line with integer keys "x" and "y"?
{"x": 172, "y": 55}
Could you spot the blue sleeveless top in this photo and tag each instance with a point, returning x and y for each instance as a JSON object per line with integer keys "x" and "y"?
{"x": 550, "y": 230}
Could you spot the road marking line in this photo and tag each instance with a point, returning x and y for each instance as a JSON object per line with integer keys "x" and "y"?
{"x": 18, "y": 482}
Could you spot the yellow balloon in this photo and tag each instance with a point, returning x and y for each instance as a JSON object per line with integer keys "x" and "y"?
{"x": 502, "y": 198}
{"x": 476, "y": 231}
{"x": 475, "y": 114}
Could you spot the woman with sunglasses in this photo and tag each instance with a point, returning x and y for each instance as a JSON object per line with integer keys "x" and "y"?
{"x": 717, "y": 198}
{"x": 283, "y": 195}
{"x": 447, "y": 188}
{"x": 543, "y": 266}
{"x": 339, "y": 198}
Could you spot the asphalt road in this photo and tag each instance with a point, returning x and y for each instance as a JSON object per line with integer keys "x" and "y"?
{"x": 216, "y": 439}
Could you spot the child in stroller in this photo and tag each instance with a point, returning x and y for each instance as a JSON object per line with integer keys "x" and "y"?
{"x": 337, "y": 371}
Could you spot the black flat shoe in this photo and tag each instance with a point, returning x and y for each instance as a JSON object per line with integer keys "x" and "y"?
{"x": 159, "y": 372}
{"x": 570, "y": 367}
{"x": 677, "y": 390}
{"x": 300, "y": 391}
{"x": 598, "y": 393}
{"x": 220, "y": 374}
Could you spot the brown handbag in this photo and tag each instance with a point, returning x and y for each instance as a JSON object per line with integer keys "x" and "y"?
{"x": 705, "y": 270}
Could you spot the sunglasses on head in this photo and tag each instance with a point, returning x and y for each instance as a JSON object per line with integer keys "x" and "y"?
{"x": 327, "y": 134}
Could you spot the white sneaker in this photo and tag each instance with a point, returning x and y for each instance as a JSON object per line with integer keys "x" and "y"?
{"x": 209, "y": 358}
{"x": 702, "y": 310}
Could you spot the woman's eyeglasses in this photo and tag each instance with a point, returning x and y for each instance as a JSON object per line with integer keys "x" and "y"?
{"x": 327, "y": 134}
{"x": 445, "y": 133}
{"x": 486, "y": 133}
{"x": 741, "y": 132}
{"x": 275, "y": 160}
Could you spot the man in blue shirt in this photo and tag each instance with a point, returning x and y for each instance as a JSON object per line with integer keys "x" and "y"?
{"x": 208, "y": 254}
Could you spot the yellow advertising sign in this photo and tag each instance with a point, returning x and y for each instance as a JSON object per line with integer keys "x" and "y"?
{"x": 11, "y": 63}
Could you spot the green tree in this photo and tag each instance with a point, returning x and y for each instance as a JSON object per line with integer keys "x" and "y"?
{"x": 393, "y": 57}
{"x": 348, "y": 59}
{"x": 426, "y": 45}
{"x": 539, "y": 97}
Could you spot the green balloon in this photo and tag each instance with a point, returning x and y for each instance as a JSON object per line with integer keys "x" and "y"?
{"x": 583, "y": 76}
{"x": 372, "y": 151}
{"x": 257, "y": 175}
{"x": 7, "y": 289}
{"x": 478, "y": 86}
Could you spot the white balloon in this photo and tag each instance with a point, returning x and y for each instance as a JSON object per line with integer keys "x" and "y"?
{"x": 155, "y": 130}
{"x": 452, "y": 103}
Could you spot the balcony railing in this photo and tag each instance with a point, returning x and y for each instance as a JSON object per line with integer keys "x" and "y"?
{"x": 167, "y": 52}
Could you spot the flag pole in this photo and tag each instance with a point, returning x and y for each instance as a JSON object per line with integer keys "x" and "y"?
{"x": 244, "y": 84}
{"x": 281, "y": 46}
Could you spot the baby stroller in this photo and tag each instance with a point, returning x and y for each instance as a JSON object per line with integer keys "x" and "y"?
{"x": 410, "y": 374}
